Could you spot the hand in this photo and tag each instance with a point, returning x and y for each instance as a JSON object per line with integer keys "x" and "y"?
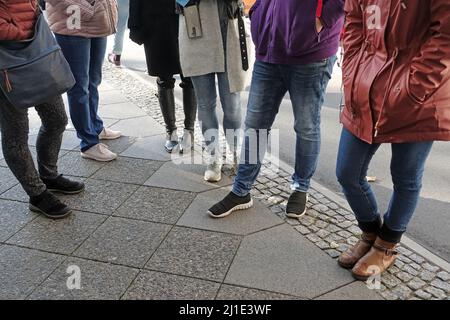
{"x": 319, "y": 25}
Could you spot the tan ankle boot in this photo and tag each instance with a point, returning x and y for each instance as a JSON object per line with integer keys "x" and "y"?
{"x": 381, "y": 256}
{"x": 349, "y": 258}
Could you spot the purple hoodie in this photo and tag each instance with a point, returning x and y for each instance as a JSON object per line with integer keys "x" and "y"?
{"x": 284, "y": 31}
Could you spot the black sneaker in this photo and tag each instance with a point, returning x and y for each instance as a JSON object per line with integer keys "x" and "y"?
{"x": 49, "y": 205}
{"x": 296, "y": 206}
{"x": 230, "y": 204}
{"x": 63, "y": 185}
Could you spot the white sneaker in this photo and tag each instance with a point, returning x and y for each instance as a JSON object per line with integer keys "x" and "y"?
{"x": 108, "y": 134}
{"x": 99, "y": 152}
{"x": 213, "y": 171}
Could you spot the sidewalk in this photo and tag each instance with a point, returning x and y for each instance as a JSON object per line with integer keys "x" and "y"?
{"x": 140, "y": 230}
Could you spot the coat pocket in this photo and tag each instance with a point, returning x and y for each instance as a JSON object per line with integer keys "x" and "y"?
{"x": 403, "y": 111}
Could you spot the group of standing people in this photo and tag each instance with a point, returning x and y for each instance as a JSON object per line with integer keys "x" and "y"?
{"x": 397, "y": 91}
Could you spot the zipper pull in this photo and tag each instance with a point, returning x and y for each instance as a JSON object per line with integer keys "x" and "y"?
{"x": 7, "y": 82}
{"x": 376, "y": 130}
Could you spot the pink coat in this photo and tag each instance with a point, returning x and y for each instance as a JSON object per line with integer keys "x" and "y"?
{"x": 83, "y": 18}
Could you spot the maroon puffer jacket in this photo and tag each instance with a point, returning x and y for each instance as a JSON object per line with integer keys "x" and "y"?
{"x": 17, "y": 19}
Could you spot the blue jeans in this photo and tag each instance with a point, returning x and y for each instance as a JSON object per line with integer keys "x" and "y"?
{"x": 124, "y": 13}
{"x": 85, "y": 57}
{"x": 407, "y": 167}
{"x": 205, "y": 90}
{"x": 306, "y": 85}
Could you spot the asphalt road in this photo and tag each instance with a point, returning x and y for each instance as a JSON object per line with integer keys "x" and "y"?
{"x": 431, "y": 223}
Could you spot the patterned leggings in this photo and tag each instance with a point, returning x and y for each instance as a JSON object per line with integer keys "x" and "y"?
{"x": 14, "y": 131}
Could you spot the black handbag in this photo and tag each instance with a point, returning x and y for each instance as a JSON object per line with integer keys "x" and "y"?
{"x": 33, "y": 71}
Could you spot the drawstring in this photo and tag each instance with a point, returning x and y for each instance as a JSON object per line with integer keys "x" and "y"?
{"x": 7, "y": 82}
{"x": 391, "y": 73}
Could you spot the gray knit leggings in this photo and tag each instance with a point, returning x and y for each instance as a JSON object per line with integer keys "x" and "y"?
{"x": 15, "y": 128}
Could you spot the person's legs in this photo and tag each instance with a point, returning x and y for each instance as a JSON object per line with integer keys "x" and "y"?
{"x": 266, "y": 93}
{"x": 97, "y": 54}
{"x": 190, "y": 114}
{"x": 166, "y": 99}
{"x": 407, "y": 168}
{"x": 307, "y": 87}
{"x": 205, "y": 91}
{"x": 48, "y": 144}
{"x": 77, "y": 51}
{"x": 124, "y": 12}
{"x": 15, "y": 128}
{"x": 189, "y": 103}
{"x": 232, "y": 112}
{"x": 353, "y": 161}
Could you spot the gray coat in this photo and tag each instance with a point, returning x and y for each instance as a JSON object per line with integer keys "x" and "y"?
{"x": 206, "y": 55}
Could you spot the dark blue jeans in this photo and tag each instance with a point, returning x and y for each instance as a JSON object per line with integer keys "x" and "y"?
{"x": 407, "y": 167}
{"x": 85, "y": 57}
{"x": 306, "y": 85}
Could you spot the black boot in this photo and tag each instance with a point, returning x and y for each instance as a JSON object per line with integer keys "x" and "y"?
{"x": 190, "y": 115}
{"x": 50, "y": 206}
{"x": 167, "y": 104}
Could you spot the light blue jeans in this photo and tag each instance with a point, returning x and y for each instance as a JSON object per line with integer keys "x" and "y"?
{"x": 124, "y": 13}
{"x": 205, "y": 90}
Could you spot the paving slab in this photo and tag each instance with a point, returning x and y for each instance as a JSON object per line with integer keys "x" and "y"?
{"x": 59, "y": 236}
{"x": 72, "y": 164}
{"x": 120, "y": 111}
{"x": 13, "y": 217}
{"x": 128, "y": 170}
{"x": 151, "y": 285}
{"x": 100, "y": 196}
{"x": 119, "y": 145}
{"x": 195, "y": 253}
{"x": 354, "y": 291}
{"x": 23, "y": 269}
{"x": 156, "y": 205}
{"x": 123, "y": 241}
{"x": 281, "y": 260}
{"x": 139, "y": 127}
{"x": 241, "y": 222}
{"x": 151, "y": 148}
{"x": 112, "y": 97}
{"x": 7, "y": 180}
{"x": 228, "y": 292}
{"x": 187, "y": 177}
{"x": 99, "y": 281}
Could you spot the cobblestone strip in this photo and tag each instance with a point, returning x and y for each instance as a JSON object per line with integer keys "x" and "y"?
{"x": 330, "y": 227}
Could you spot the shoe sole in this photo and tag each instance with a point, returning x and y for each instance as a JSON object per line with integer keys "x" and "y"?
{"x": 110, "y": 138}
{"x": 237, "y": 208}
{"x": 96, "y": 159}
{"x": 346, "y": 266}
{"x": 365, "y": 278}
{"x": 37, "y": 210}
{"x": 66, "y": 192}
{"x": 213, "y": 180}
